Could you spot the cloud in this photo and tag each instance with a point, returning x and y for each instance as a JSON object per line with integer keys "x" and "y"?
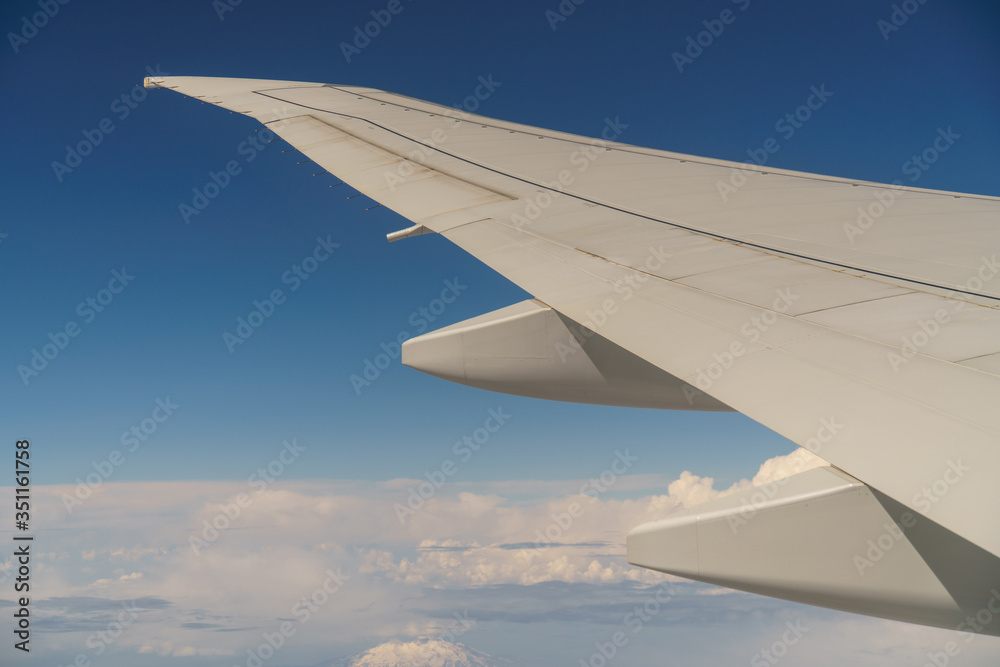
{"x": 296, "y": 530}
{"x": 542, "y": 559}
{"x": 781, "y": 467}
{"x": 428, "y": 651}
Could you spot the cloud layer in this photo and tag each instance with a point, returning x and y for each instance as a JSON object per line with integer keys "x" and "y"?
{"x": 142, "y": 573}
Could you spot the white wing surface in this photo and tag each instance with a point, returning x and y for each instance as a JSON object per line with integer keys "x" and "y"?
{"x": 857, "y": 319}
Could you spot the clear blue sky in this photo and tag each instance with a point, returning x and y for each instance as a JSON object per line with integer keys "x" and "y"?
{"x": 162, "y": 335}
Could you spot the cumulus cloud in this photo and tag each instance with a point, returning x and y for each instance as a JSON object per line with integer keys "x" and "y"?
{"x": 215, "y": 535}
{"x": 781, "y": 467}
{"x": 222, "y": 566}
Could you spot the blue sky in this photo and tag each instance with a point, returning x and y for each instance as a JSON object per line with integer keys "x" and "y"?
{"x": 162, "y": 336}
{"x": 67, "y": 232}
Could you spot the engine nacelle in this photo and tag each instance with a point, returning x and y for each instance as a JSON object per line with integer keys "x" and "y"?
{"x": 824, "y": 538}
{"x": 529, "y": 349}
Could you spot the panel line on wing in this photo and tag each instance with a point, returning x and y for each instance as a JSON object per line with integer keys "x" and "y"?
{"x": 680, "y": 157}
{"x": 695, "y": 230}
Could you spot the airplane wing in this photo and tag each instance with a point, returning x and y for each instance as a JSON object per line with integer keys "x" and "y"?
{"x": 857, "y": 319}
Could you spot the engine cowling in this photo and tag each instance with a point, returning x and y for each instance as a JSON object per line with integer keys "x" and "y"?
{"x": 824, "y": 538}
{"x": 529, "y": 349}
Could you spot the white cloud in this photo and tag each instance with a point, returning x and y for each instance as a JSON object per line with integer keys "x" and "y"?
{"x": 781, "y": 467}
{"x": 133, "y": 541}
